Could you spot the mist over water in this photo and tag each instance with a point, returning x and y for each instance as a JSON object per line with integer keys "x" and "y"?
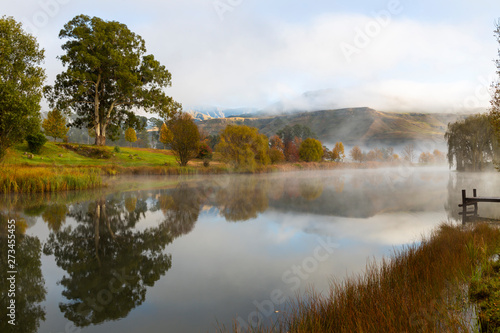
{"x": 185, "y": 252}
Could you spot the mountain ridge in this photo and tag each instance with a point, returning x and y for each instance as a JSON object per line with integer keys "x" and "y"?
{"x": 353, "y": 126}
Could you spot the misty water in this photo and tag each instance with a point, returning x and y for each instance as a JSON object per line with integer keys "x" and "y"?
{"x": 181, "y": 254}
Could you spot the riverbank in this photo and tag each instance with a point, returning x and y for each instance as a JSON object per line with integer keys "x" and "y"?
{"x": 447, "y": 283}
{"x": 62, "y": 167}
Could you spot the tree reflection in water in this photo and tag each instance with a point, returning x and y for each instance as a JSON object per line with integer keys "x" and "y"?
{"x": 243, "y": 198}
{"x": 30, "y": 285}
{"x": 109, "y": 264}
{"x": 181, "y": 208}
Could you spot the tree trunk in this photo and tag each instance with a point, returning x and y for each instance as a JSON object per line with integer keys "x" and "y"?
{"x": 97, "y": 220}
{"x": 100, "y": 135}
{"x": 100, "y": 140}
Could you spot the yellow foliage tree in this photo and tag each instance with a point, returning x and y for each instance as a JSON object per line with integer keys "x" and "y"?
{"x": 130, "y": 135}
{"x": 244, "y": 147}
{"x": 166, "y": 135}
{"x": 311, "y": 150}
{"x": 338, "y": 153}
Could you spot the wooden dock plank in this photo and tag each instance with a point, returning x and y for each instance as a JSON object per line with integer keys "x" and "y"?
{"x": 473, "y": 202}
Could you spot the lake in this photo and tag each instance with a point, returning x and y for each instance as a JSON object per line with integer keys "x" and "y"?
{"x": 187, "y": 254}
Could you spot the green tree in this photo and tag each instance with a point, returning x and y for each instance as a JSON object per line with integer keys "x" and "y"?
{"x": 185, "y": 138}
{"x": 21, "y": 81}
{"x": 55, "y": 125}
{"x": 471, "y": 143}
{"x": 495, "y": 101}
{"x": 243, "y": 147}
{"x": 130, "y": 135}
{"x": 36, "y": 142}
{"x": 166, "y": 135}
{"x": 311, "y": 150}
{"x": 107, "y": 76}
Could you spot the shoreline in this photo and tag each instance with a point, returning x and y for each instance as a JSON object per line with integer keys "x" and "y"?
{"x": 448, "y": 282}
{"x": 60, "y": 169}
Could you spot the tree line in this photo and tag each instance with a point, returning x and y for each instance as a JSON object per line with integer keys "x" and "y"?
{"x": 108, "y": 75}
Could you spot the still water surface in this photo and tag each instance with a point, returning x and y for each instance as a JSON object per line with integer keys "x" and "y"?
{"x": 183, "y": 254}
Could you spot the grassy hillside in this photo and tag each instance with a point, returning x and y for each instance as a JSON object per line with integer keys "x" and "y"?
{"x": 363, "y": 126}
{"x": 56, "y": 154}
{"x": 61, "y": 167}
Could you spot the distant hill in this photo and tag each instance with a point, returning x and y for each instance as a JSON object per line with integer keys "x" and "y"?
{"x": 202, "y": 113}
{"x": 353, "y": 126}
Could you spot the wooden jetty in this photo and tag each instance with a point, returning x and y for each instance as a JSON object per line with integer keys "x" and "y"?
{"x": 472, "y": 201}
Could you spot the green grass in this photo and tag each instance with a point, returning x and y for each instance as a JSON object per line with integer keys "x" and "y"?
{"x": 58, "y": 168}
{"x": 47, "y": 179}
{"x": 50, "y": 155}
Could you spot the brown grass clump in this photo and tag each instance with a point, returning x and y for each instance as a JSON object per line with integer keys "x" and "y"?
{"x": 421, "y": 288}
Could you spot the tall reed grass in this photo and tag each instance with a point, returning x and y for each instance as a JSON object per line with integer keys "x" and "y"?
{"x": 421, "y": 288}
{"x": 47, "y": 179}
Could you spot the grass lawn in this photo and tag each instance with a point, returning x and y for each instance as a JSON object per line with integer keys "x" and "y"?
{"x": 55, "y": 154}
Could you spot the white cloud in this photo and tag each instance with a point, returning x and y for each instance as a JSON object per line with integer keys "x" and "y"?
{"x": 253, "y": 57}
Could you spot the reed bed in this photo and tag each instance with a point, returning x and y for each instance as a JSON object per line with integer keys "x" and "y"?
{"x": 47, "y": 179}
{"x": 421, "y": 288}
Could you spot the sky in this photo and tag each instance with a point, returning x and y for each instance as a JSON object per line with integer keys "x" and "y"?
{"x": 396, "y": 55}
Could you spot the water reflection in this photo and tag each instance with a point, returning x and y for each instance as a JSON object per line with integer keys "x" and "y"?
{"x": 181, "y": 208}
{"x": 108, "y": 263}
{"x": 242, "y": 199}
{"x": 114, "y": 247}
{"x": 487, "y": 185}
{"x": 30, "y": 285}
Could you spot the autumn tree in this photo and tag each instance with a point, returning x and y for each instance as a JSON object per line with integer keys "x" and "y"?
{"x": 185, "y": 138}
{"x": 130, "y": 135}
{"x": 243, "y": 147}
{"x": 338, "y": 153}
{"x": 21, "y": 81}
{"x": 356, "y": 154}
{"x": 107, "y": 77}
{"x": 426, "y": 158}
{"x": 292, "y": 137}
{"x": 439, "y": 156}
{"x": 165, "y": 135}
{"x": 276, "y": 149}
{"x": 55, "y": 125}
{"x": 311, "y": 150}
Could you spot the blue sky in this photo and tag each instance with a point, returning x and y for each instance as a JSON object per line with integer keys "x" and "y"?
{"x": 396, "y": 55}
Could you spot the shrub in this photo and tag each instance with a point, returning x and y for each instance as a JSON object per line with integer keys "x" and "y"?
{"x": 117, "y": 149}
{"x": 311, "y": 150}
{"x": 276, "y": 155}
{"x": 36, "y": 142}
{"x": 204, "y": 152}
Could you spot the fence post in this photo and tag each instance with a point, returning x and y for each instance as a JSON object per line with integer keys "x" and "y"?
{"x": 464, "y": 208}
{"x": 475, "y": 204}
